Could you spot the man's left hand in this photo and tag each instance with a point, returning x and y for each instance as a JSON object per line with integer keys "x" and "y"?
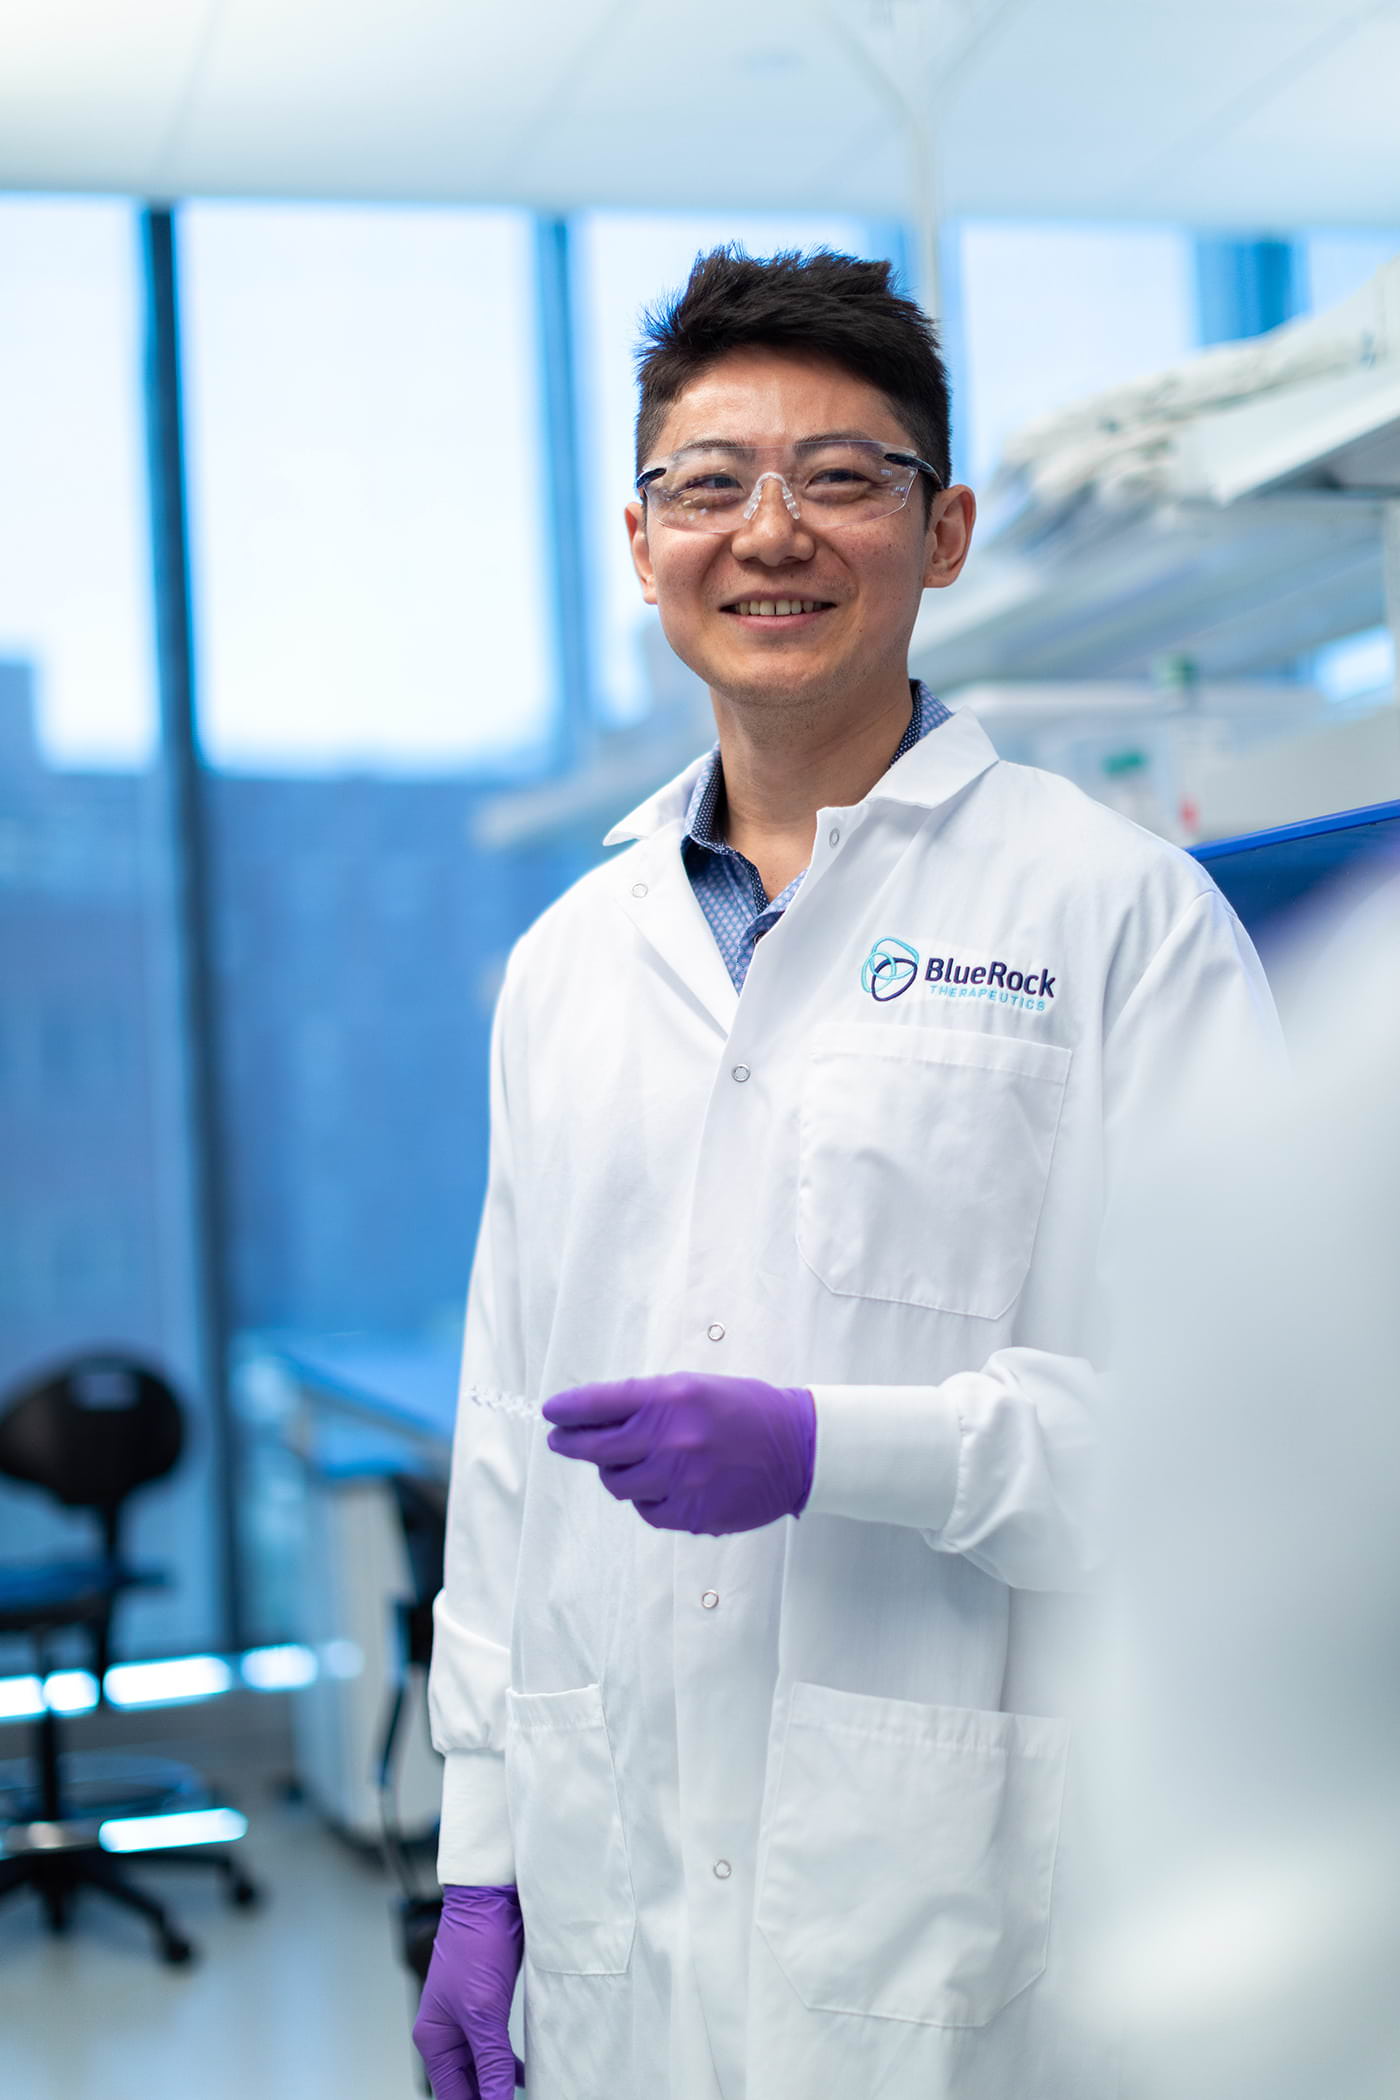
{"x": 693, "y": 1453}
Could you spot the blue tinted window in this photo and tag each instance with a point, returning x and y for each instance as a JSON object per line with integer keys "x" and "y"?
{"x": 364, "y": 452}
{"x": 1338, "y": 263}
{"x": 95, "y": 1219}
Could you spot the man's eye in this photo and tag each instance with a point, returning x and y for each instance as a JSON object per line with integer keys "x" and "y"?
{"x": 694, "y": 483}
{"x": 845, "y": 485}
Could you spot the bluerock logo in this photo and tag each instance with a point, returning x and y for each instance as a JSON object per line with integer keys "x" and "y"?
{"x": 892, "y": 966}
{"x": 889, "y": 969}
{"x": 996, "y": 976}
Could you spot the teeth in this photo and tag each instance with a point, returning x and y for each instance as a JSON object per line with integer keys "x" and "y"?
{"x": 773, "y": 608}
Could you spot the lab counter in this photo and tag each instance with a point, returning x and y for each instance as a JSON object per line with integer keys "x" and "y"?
{"x": 342, "y": 1417}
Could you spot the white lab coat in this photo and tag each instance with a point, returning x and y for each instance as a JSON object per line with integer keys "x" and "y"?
{"x": 788, "y": 1811}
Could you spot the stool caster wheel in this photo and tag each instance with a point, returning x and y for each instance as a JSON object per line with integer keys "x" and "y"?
{"x": 245, "y": 1894}
{"x": 177, "y": 1952}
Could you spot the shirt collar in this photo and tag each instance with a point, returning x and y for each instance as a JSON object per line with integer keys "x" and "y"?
{"x": 926, "y": 771}
{"x": 702, "y": 810}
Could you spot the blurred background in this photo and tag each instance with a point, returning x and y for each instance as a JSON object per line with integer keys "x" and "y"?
{"x": 323, "y": 669}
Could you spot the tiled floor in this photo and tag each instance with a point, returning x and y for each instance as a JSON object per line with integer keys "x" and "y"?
{"x": 301, "y": 2000}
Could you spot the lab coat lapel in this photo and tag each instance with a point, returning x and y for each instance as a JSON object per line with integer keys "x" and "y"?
{"x": 654, "y": 890}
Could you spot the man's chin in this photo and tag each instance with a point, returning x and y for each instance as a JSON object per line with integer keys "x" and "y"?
{"x": 772, "y": 676}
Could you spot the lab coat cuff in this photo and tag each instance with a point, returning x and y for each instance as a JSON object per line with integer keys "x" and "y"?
{"x": 887, "y": 1454}
{"x": 474, "y": 1843}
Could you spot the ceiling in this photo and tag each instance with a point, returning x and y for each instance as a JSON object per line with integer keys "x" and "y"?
{"x": 1239, "y": 113}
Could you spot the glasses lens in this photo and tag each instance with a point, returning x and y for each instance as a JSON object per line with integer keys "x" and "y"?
{"x": 703, "y": 492}
{"x": 842, "y": 482}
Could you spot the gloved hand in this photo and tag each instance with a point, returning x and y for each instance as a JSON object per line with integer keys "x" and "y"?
{"x": 694, "y": 1453}
{"x": 461, "y": 2031}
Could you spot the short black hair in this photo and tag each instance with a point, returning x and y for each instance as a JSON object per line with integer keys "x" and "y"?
{"x": 828, "y": 305}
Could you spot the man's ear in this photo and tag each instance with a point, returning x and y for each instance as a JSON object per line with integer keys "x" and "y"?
{"x": 641, "y": 552}
{"x": 948, "y": 537}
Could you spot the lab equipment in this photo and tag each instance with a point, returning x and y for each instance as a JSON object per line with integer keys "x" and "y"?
{"x": 1280, "y": 878}
{"x": 356, "y": 1423}
{"x": 1236, "y": 509}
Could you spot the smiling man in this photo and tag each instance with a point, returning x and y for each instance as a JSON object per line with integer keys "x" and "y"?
{"x": 774, "y": 1478}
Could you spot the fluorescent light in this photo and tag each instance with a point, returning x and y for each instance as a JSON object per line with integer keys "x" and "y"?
{"x": 342, "y": 1658}
{"x": 70, "y": 1691}
{"x": 193, "y": 1826}
{"x": 62, "y": 1691}
{"x": 279, "y": 1669}
{"x": 21, "y": 1698}
{"x": 164, "y": 1683}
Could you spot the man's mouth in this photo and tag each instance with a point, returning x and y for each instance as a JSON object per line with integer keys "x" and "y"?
{"x": 776, "y": 608}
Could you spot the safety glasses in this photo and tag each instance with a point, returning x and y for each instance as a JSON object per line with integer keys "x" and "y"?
{"x": 832, "y": 482}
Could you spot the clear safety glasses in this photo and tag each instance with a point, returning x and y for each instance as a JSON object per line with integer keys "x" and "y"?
{"x": 831, "y": 482}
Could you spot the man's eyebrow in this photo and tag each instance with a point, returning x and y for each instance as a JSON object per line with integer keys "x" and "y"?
{"x": 744, "y": 449}
{"x": 713, "y": 444}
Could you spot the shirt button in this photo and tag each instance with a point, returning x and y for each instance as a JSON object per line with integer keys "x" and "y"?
{"x": 710, "y": 1599}
{"x": 639, "y": 889}
{"x": 715, "y": 1332}
{"x": 741, "y": 1073}
{"x": 722, "y": 1870}
{"x": 833, "y": 837}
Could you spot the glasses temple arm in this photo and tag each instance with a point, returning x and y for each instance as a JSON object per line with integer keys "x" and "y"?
{"x": 911, "y": 459}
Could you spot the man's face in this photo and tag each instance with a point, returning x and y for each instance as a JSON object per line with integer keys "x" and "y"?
{"x": 866, "y": 579}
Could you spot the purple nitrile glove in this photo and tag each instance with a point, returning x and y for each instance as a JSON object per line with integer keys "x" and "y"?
{"x": 694, "y": 1453}
{"x": 461, "y": 2031}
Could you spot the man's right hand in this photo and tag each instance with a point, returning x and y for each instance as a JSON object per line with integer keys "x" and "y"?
{"x": 462, "y": 2031}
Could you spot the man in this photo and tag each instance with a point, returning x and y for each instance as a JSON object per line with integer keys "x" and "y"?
{"x": 775, "y": 1452}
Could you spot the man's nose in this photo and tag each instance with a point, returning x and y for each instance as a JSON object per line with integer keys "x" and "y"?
{"x": 772, "y": 534}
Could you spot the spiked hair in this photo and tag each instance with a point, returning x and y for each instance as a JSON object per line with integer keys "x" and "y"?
{"x": 828, "y": 305}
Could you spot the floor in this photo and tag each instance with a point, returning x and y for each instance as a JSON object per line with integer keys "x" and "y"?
{"x": 303, "y": 1999}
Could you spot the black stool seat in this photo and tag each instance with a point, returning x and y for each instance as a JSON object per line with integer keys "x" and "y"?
{"x": 99, "y": 1783}
{"x": 65, "y": 1592}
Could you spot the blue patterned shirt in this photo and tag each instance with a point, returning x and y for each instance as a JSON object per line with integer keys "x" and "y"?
{"x": 728, "y": 886}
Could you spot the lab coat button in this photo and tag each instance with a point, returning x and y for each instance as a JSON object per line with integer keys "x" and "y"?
{"x": 833, "y": 837}
{"x": 741, "y": 1073}
{"x": 639, "y": 889}
{"x": 723, "y": 1870}
{"x": 715, "y": 1332}
{"x": 710, "y": 1599}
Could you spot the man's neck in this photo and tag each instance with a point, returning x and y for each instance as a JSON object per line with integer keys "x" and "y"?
{"x": 775, "y": 780}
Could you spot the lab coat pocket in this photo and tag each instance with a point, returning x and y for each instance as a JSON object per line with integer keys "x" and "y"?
{"x": 925, "y": 1155}
{"x": 566, "y": 1820}
{"x": 909, "y": 1857}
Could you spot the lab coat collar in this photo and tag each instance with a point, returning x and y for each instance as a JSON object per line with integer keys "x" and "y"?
{"x": 938, "y": 767}
{"x": 661, "y": 808}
